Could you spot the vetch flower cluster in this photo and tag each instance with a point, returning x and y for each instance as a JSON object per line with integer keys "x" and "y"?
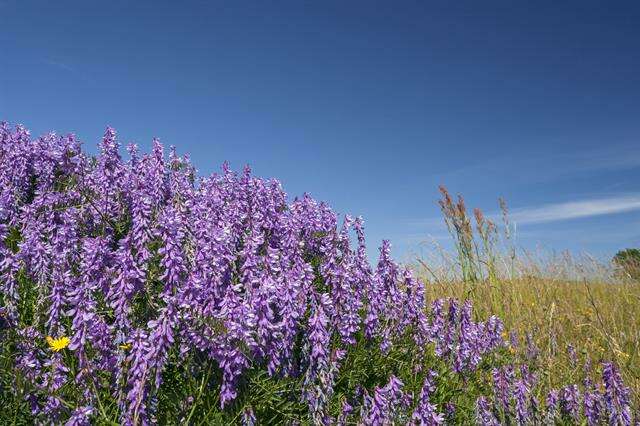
{"x": 147, "y": 273}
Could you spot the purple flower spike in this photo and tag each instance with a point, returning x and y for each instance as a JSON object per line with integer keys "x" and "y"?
{"x": 484, "y": 416}
{"x": 552, "y": 405}
{"x": 570, "y": 402}
{"x": 248, "y": 418}
{"x": 426, "y": 412}
{"x": 80, "y": 417}
{"x": 616, "y": 396}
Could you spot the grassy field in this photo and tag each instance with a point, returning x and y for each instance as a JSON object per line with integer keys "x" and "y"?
{"x": 601, "y": 321}
{"x": 565, "y": 310}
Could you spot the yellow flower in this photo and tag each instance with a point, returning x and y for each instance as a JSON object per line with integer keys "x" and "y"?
{"x": 125, "y": 346}
{"x": 58, "y": 344}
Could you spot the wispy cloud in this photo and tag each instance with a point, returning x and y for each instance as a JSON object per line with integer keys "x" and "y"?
{"x": 616, "y": 157}
{"x": 68, "y": 68}
{"x": 60, "y": 65}
{"x": 606, "y": 233}
{"x": 576, "y": 209}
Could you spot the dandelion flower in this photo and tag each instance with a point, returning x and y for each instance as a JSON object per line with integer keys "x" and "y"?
{"x": 58, "y": 344}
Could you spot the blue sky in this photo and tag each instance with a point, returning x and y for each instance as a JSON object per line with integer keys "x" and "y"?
{"x": 366, "y": 105}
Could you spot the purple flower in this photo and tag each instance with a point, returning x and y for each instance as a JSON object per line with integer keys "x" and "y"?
{"x": 385, "y": 405}
{"x": 438, "y": 324}
{"x": 493, "y": 333}
{"x": 139, "y": 375}
{"x": 318, "y": 337}
{"x": 521, "y": 396}
{"x": 426, "y": 412}
{"x": 248, "y": 418}
{"x": 483, "y": 413}
{"x": 161, "y": 338}
{"x": 57, "y": 300}
{"x": 345, "y": 412}
{"x": 552, "y": 405}
{"x": 570, "y": 402}
{"x": 593, "y": 407}
{"x": 502, "y": 387}
{"x": 383, "y": 298}
{"x": 322, "y": 369}
{"x": 80, "y": 417}
{"x": 129, "y": 279}
{"x": 451, "y": 330}
{"x": 52, "y": 408}
{"x": 470, "y": 341}
{"x": 450, "y": 411}
{"x": 9, "y": 267}
{"x": 172, "y": 254}
{"x": 616, "y": 396}
{"x": 83, "y": 305}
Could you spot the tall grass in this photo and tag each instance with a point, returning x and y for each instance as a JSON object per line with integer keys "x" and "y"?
{"x": 559, "y": 303}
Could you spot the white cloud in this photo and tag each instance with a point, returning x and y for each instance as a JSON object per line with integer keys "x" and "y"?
{"x": 576, "y": 209}
{"x": 61, "y": 65}
{"x": 525, "y": 169}
{"x": 68, "y": 68}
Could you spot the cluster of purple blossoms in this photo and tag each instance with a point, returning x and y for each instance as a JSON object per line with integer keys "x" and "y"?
{"x": 132, "y": 260}
{"x": 513, "y": 400}
{"x": 425, "y": 412}
{"x": 458, "y": 338}
{"x": 387, "y": 406}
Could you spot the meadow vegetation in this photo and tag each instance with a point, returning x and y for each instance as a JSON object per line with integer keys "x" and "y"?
{"x": 566, "y": 309}
{"x": 133, "y": 291}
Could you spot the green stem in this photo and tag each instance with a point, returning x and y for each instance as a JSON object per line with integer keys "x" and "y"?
{"x": 205, "y": 379}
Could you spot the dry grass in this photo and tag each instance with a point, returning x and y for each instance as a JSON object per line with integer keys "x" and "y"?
{"x": 601, "y": 320}
{"x": 556, "y": 299}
